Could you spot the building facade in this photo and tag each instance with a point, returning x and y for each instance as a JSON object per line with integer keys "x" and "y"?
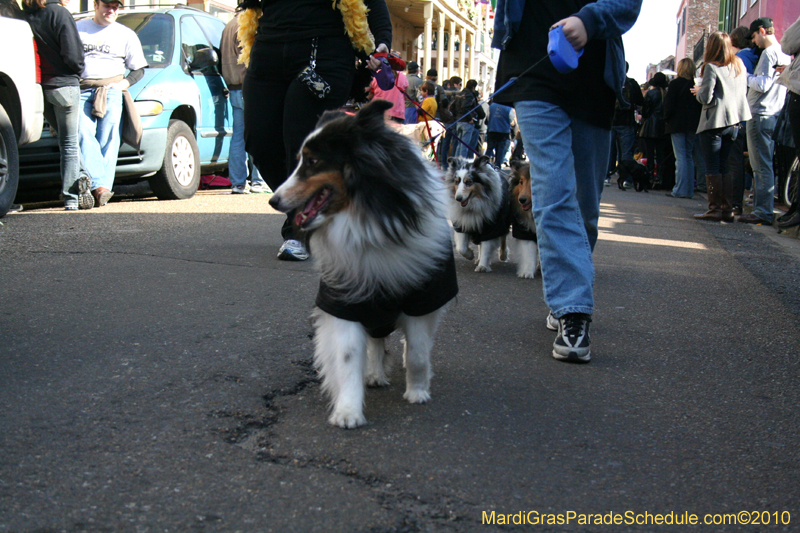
{"x": 733, "y": 13}
{"x": 696, "y": 20}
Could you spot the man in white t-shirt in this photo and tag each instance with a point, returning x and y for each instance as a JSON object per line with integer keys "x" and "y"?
{"x": 109, "y": 49}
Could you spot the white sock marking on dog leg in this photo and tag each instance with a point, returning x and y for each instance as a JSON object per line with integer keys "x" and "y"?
{"x": 419, "y": 335}
{"x": 375, "y": 370}
{"x": 488, "y": 249}
{"x": 340, "y": 356}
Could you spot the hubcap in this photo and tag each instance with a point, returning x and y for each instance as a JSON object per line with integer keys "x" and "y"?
{"x": 183, "y": 160}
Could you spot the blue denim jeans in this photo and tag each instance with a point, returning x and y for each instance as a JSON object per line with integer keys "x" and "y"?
{"x": 497, "y": 147}
{"x": 699, "y": 165}
{"x": 622, "y": 140}
{"x": 760, "y": 146}
{"x": 100, "y": 137}
{"x": 64, "y": 116}
{"x": 469, "y": 134}
{"x": 716, "y": 145}
{"x": 237, "y": 158}
{"x": 569, "y": 159}
{"x": 683, "y": 146}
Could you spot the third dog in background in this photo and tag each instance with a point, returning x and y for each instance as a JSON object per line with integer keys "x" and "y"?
{"x": 479, "y": 209}
{"x": 523, "y": 228}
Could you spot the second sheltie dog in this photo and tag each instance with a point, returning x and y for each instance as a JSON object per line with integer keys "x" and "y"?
{"x": 523, "y": 227}
{"x": 479, "y": 209}
{"x": 374, "y": 213}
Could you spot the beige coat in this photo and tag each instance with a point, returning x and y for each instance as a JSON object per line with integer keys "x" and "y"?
{"x": 724, "y": 97}
{"x": 790, "y": 44}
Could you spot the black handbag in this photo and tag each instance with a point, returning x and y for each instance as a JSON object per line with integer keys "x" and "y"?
{"x": 309, "y": 77}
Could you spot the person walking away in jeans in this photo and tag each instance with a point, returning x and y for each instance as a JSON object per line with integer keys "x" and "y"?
{"x": 565, "y": 121}
{"x": 466, "y": 128}
{"x": 109, "y": 48}
{"x": 681, "y": 117}
{"x": 723, "y": 94}
{"x": 233, "y": 74}
{"x": 623, "y": 129}
{"x": 281, "y": 110}
{"x": 790, "y": 45}
{"x": 766, "y": 98}
{"x": 498, "y": 137}
{"x": 61, "y": 58}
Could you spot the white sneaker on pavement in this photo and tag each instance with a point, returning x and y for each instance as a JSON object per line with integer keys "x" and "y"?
{"x": 293, "y": 250}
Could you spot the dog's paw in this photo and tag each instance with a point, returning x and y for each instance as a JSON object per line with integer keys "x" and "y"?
{"x": 376, "y": 381}
{"x": 482, "y": 268}
{"x": 417, "y": 396}
{"x": 347, "y": 419}
{"x": 526, "y": 275}
{"x": 469, "y": 255}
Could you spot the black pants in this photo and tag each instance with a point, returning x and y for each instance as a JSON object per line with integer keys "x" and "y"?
{"x": 279, "y": 111}
{"x": 736, "y": 168}
{"x": 660, "y": 150}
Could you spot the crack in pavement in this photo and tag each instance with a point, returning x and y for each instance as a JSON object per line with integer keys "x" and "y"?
{"x": 415, "y": 514}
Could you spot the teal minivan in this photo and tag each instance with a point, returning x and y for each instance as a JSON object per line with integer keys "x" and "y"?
{"x": 187, "y": 119}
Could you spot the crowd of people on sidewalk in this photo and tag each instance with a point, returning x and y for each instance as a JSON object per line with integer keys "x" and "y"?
{"x": 730, "y": 111}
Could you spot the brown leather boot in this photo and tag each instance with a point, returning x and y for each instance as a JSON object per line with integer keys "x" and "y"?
{"x": 726, "y": 210}
{"x": 715, "y": 199}
{"x": 102, "y": 196}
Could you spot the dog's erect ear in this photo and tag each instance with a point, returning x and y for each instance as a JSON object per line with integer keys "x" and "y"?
{"x": 327, "y": 116}
{"x": 451, "y": 160}
{"x": 516, "y": 164}
{"x": 481, "y": 161}
{"x": 372, "y": 113}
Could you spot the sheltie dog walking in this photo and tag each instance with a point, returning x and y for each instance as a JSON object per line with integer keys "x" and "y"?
{"x": 479, "y": 209}
{"x": 523, "y": 228}
{"x": 374, "y": 213}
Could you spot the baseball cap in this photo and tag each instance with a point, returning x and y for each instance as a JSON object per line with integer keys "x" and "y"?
{"x": 432, "y": 73}
{"x": 413, "y": 66}
{"x": 763, "y": 22}
{"x": 113, "y": 2}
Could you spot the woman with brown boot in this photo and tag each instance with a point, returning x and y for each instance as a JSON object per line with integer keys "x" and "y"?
{"x": 723, "y": 94}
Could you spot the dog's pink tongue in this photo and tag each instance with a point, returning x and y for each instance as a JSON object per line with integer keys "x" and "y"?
{"x": 312, "y": 208}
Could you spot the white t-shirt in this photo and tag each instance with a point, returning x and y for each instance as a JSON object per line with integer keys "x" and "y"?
{"x": 109, "y": 50}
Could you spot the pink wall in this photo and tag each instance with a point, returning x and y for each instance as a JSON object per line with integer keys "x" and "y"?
{"x": 782, "y": 12}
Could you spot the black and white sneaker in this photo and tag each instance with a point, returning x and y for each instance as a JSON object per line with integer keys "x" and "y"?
{"x": 85, "y": 197}
{"x": 572, "y": 343}
{"x": 552, "y": 322}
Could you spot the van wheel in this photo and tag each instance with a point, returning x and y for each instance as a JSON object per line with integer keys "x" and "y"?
{"x": 9, "y": 163}
{"x": 179, "y": 176}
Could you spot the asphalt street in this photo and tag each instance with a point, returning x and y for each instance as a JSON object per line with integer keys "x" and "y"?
{"x": 155, "y": 375}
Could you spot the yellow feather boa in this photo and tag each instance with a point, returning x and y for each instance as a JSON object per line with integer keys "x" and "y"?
{"x": 354, "y": 15}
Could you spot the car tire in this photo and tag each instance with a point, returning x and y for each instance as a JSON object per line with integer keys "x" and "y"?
{"x": 179, "y": 176}
{"x": 9, "y": 163}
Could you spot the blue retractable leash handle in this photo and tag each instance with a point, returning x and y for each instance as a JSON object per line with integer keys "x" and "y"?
{"x": 561, "y": 54}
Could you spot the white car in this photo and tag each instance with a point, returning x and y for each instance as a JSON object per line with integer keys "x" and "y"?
{"x": 21, "y": 102}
